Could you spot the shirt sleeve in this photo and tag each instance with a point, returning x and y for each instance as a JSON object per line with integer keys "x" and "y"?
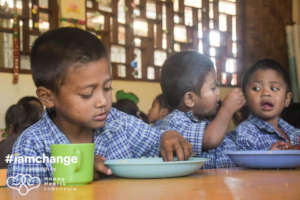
{"x": 193, "y": 132}
{"x": 128, "y": 137}
{"x": 24, "y": 161}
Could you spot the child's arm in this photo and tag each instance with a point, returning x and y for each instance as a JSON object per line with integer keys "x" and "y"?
{"x": 217, "y": 128}
{"x": 134, "y": 139}
{"x": 170, "y": 142}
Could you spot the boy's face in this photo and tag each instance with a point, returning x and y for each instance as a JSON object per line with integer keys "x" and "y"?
{"x": 206, "y": 104}
{"x": 84, "y": 99}
{"x": 266, "y": 94}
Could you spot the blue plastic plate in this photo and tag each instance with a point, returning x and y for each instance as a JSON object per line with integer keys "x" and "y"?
{"x": 266, "y": 159}
{"x": 154, "y": 167}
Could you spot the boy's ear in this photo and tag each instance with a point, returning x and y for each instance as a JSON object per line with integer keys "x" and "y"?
{"x": 163, "y": 112}
{"x": 46, "y": 96}
{"x": 189, "y": 99}
{"x": 288, "y": 99}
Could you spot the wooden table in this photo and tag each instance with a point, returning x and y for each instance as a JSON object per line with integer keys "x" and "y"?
{"x": 205, "y": 184}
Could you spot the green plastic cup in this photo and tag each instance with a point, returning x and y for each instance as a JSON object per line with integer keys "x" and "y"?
{"x": 73, "y": 164}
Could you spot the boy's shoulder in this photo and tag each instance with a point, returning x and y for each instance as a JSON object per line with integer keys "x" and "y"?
{"x": 31, "y": 139}
{"x": 115, "y": 114}
{"x": 42, "y": 133}
{"x": 178, "y": 116}
{"x": 118, "y": 119}
{"x": 35, "y": 131}
{"x": 181, "y": 121}
{"x": 172, "y": 118}
{"x": 255, "y": 122}
{"x": 248, "y": 124}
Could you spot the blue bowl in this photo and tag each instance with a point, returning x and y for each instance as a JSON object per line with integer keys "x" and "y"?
{"x": 154, "y": 167}
{"x": 266, "y": 159}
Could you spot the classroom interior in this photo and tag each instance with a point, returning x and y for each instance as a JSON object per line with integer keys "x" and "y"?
{"x": 140, "y": 34}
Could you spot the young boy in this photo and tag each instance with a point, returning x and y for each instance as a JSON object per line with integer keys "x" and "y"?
{"x": 71, "y": 70}
{"x": 267, "y": 90}
{"x": 188, "y": 82}
{"x": 158, "y": 110}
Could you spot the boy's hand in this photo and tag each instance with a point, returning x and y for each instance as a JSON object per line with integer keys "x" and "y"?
{"x": 280, "y": 146}
{"x": 234, "y": 100}
{"x": 100, "y": 167}
{"x": 284, "y": 146}
{"x": 172, "y": 141}
{"x": 294, "y": 147}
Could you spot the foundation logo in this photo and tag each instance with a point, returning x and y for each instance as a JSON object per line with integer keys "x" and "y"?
{"x": 23, "y": 183}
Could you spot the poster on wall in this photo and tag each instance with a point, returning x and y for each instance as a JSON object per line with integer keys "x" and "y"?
{"x": 72, "y": 13}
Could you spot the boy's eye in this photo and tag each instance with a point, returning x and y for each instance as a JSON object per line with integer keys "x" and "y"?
{"x": 275, "y": 89}
{"x": 256, "y": 88}
{"x": 108, "y": 88}
{"x": 86, "y": 96}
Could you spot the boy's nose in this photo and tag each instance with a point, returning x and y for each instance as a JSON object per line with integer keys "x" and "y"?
{"x": 100, "y": 101}
{"x": 265, "y": 91}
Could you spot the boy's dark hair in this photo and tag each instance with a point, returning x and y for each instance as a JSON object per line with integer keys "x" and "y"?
{"x": 11, "y": 119}
{"x": 127, "y": 106}
{"x": 182, "y": 72}
{"x": 143, "y": 116}
{"x": 29, "y": 100}
{"x": 163, "y": 102}
{"x": 56, "y": 50}
{"x": 265, "y": 64}
{"x": 20, "y": 116}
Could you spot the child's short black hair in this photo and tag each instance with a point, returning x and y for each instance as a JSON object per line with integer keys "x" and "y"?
{"x": 12, "y": 119}
{"x": 56, "y": 50}
{"x": 29, "y": 99}
{"x": 163, "y": 102}
{"x": 127, "y": 106}
{"x": 265, "y": 64}
{"x": 182, "y": 72}
{"x": 20, "y": 116}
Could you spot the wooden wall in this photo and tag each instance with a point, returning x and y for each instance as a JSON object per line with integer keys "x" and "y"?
{"x": 264, "y": 30}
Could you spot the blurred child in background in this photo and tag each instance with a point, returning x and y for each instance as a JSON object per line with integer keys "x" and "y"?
{"x": 127, "y": 103}
{"x": 126, "y": 106}
{"x": 18, "y": 117}
{"x": 158, "y": 110}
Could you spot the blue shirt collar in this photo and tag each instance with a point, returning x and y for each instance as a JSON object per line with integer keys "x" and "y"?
{"x": 188, "y": 115}
{"x": 265, "y": 126}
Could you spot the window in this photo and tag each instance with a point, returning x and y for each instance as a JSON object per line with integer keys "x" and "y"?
{"x": 21, "y": 22}
{"x": 139, "y": 34}
{"x": 142, "y": 34}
